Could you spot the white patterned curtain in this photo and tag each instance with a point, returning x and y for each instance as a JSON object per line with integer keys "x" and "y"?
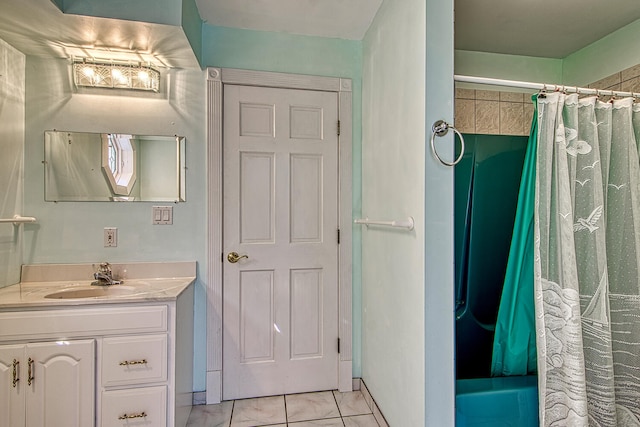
{"x": 587, "y": 261}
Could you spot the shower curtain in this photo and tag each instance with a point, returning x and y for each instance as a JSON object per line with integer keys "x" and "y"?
{"x": 514, "y": 341}
{"x": 587, "y": 261}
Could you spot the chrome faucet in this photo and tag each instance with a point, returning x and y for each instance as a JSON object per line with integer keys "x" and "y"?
{"x": 104, "y": 276}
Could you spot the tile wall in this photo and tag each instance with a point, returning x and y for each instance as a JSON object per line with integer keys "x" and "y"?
{"x": 626, "y": 80}
{"x": 491, "y": 112}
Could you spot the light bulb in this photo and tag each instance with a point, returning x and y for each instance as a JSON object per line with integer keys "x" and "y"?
{"x": 143, "y": 75}
{"x": 88, "y": 71}
{"x": 118, "y": 76}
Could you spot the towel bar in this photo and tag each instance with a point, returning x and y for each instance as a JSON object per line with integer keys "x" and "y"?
{"x": 406, "y": 224}
{"x": 17, "y": 219}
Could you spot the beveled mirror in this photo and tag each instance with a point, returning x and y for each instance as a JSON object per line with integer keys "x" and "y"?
{"x": 83, "y": 166}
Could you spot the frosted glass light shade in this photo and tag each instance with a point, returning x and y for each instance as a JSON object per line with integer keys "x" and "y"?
{"x": 116, "y": 76}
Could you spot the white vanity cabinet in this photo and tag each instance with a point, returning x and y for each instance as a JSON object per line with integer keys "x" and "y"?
{"x": 104, "y": 365}
{"x": 47, "y": 384}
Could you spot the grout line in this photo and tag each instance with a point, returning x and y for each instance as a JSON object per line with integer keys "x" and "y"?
{"x": 286, "y": 413}
{"x": 233, "y": 406}
{"x": 337, "y": 405}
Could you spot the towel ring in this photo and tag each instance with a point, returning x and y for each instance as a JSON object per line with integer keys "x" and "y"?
{"x": 441, "y": 128}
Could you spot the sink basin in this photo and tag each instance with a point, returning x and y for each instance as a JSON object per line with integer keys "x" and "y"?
{"x": 92, "y": 292}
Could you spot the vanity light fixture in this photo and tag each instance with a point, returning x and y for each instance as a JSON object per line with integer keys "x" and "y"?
{"x": 115, "y": 75}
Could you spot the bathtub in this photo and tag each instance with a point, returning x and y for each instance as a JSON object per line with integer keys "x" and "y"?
{"x": 497, "y": 402}
{"x": 487, "y": 182}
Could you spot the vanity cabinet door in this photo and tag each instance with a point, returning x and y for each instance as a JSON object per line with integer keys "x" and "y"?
{"x": 62, "y": 386}
{"x": 12, "y": 385}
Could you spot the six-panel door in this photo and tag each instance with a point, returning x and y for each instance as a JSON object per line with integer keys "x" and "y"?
{"x": 280, "y": 212}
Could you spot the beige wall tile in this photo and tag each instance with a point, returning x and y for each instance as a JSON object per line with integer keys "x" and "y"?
{"x": 465, "y": 120}
{"x": 527, "y": 117}
{"x": 488, "y": 117}
{"x": 465, "y": 93}
{"x": 632, "y": 85}
{"x": 511, "y": 118}
{"x": 488, "y": 95}
{"x": 512, "y": 96}
{"x": 607, "y": 82}
{"x": 630, "y": 73}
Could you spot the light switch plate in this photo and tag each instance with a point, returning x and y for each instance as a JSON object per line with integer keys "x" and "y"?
{"x": 162, "y": 215}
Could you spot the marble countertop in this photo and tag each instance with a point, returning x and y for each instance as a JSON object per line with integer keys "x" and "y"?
{"x": 68, "y": 285}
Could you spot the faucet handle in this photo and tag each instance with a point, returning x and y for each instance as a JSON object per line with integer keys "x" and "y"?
{"x": 104, "y": 268}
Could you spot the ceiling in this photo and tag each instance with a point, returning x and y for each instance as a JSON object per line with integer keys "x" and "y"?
{"x": 345, "y": 19}
{"x": 546, "y": 28}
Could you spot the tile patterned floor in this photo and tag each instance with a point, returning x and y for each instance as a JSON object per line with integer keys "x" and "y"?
{"x": 322, "y": 409}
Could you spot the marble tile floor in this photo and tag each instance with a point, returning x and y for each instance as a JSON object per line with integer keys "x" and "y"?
{"x": 321, "y": 409}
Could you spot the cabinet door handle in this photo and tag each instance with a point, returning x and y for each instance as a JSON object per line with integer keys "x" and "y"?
{"x": 31, "y": 373}
{"x": 133, "y": 362}
{"x": 16, "y": 378}
{"x": 130, "y": 416}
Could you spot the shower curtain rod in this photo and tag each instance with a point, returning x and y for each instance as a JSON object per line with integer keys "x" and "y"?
{"x": 541, "y": 86}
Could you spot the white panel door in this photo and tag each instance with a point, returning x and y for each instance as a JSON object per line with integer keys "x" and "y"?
{"x": 281, "y": 211}
{"x": 13, "y": 383}
{"x": 62, "y": 386}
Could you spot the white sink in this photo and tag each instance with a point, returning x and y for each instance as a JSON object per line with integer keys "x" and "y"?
{"x": 92, "y": 292}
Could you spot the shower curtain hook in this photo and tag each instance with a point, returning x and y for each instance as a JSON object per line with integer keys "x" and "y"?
{"x": 542, "y": 93}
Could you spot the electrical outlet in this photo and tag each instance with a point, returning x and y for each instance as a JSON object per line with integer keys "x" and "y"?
{"x": 110, "y": 237}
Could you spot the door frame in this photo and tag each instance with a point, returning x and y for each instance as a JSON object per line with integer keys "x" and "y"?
{"x": 216, "y": 79}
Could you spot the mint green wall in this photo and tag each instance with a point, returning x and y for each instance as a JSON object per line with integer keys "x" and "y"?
{"x": 192, "y": 26}
{"x": 280, "y": 52}
{"x": 439, "y": 320}
{"x": 612, "y": 53}
{"x": 12, "y": 100}
{"x": 393, "y": 152}
{"x": 510, "y": 67}
{"x": 70, "y": 232}
{"x": 156, "y": 11}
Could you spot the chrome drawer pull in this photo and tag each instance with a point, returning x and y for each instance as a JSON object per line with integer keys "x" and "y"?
{"x": 16, "y": 378}
{"x": 130, "y": 416}
{"x": 133, "y": 362}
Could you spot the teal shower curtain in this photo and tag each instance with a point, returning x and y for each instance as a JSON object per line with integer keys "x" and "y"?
{"x": 514, "y": 344}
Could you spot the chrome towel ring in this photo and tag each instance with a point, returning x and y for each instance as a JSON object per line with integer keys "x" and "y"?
{"x": 441, "y": 128}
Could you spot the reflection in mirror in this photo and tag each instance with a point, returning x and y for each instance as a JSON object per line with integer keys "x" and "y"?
{"x": 82, "y": 166}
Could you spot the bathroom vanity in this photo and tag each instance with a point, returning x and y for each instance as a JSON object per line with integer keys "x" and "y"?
{"x": 77, "y": 355}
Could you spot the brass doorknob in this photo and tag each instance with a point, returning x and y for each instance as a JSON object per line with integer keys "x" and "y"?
{"x": 233, "y": 257}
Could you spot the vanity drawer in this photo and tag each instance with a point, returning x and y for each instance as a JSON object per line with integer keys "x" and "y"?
{"x": 81, "y": 322}
{"x": 134, "y": 360}
{"x": 137, "y": 406}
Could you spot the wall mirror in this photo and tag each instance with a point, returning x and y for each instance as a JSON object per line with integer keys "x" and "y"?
{"x": 82, "y": 166}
